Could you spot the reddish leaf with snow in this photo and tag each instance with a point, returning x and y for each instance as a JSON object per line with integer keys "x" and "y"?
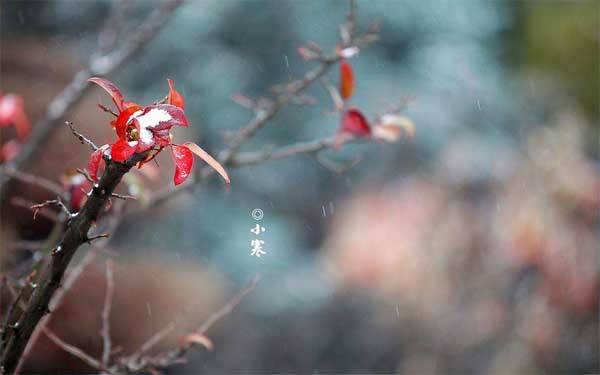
{"x": 147, "y": 129}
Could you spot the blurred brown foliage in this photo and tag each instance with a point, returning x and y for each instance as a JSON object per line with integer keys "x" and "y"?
{"x": 511, "y": 261}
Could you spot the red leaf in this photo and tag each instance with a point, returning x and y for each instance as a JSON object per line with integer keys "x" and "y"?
{"x": 346, "y": 80}
{"x": 9, "y": 150}
{"x": 111, "y": 89}
{"x": 355, "y": 123}
{"x": 94, "y": 162}
{"x": 208, "y": 159}
{"x": 12, "y": 112}
{"x": 175, "y": 97}
{"x": 120, "y": 124}
{"x": 184, "y": 161}
{"x": 121, "y": 150}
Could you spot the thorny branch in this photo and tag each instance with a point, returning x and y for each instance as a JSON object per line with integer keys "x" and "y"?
{"x": 71, "y": 278}
{"x": 49, "y": 282}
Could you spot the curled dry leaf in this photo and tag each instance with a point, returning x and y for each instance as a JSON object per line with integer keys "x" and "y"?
{"x": 198, "y": 339}
{"x": 392, "y": 127}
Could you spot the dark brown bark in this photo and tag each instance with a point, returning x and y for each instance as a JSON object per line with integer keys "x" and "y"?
{"x": 75, "y": 236}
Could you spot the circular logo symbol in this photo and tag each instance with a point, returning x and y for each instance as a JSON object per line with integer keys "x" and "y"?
{"x": 257, "y": 214}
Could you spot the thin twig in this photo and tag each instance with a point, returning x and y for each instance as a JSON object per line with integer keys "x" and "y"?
{"x": 123, "y": 196}
{"x": 135, "y": 363}
{"x": 75, "y": 351}
{"x": 310, "y": 147}
{"x": 86, "y": 174}
{"x": 58, "y": 202}
{"x": 24, "y": 203}
{"x": 83, "y": 139}
{"x": 108, "y": 301}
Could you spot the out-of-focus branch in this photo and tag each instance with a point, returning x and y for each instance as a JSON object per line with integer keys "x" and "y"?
{"x": 310, "y": 147}
{"x": 75, "y": 236}
{"x": 75, "y": 351}
{"x": 266, "y": 109}
{"x": 99, "y": 65}
{"x": 27, "y": 178}
{"x": 108, "y": 301}
{"x": 139, "y": 363}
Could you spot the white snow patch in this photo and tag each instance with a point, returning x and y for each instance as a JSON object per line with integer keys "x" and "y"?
{"x": 149, "y": 120}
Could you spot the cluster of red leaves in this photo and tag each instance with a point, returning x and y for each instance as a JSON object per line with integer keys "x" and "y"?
{"x": 353, "y": 121}
{"x": 388, "y": 128}
{"x": 147, "y": 129}
{"x": 12, "y": 113}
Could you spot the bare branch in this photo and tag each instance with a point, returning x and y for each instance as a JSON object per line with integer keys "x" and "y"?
{"x": 136, "y": 363}
{"x": 86, "y": 174}
{"x": 21, "y": 202}
{"x": 81, "y": 137}
{"x": 27, "y": 178}
{"x": 311, "y": 147}
{"x": 58, "y": 202}
{"x": 75, "y": 351}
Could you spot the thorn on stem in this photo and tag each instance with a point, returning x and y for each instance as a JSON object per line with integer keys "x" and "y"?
{"x": 96, "y": 237}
